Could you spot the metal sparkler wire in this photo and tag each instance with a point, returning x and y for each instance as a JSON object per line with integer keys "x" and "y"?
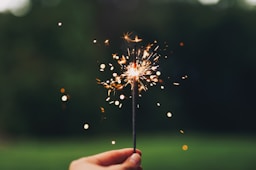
{"x": 134, "y": 101}
{"x": 134, "y": 108}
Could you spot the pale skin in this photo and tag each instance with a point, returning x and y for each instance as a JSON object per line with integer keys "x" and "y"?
{"x": 122, "y": 159}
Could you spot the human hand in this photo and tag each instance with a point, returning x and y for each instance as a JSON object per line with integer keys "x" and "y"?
{"x": 122, "y": 159}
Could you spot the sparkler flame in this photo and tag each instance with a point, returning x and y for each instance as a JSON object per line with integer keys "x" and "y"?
{"x": 139, "y": 64}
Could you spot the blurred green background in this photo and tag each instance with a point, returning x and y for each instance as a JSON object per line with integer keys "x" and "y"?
{"x": 46, "y": 45}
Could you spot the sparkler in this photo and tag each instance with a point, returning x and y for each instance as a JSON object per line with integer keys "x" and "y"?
{"x": 138, "y": 68}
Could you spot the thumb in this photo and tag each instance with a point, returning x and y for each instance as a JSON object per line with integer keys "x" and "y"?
{"x": 133, "y": 162}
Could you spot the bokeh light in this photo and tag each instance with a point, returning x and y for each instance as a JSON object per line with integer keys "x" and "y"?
{"x": 122, "y": 97}
{"x": 64, "y": 98}
{"x": 102, "y": 109}
{"x": 62, "y": 90}
{"x": 15, "y": 7}
{"x": 169, "y": 114}
{"x": 59, "y": 24}
{"x": 176, "y": 83}
{"x": 184, "y": 147}
{"x": 250, "y": 2}
{"x": 209, "y": 2}
{"x": 106, "y": 42}
{"x": 86, "y": 126}
{"x": 117, "y": 102}
{"x": 158, "y": 104}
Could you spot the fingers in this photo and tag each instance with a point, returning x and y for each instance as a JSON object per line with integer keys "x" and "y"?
{"x": 123, "y": 159}
{"x": 131, "y": 163}
{"x": 112, "y": 157}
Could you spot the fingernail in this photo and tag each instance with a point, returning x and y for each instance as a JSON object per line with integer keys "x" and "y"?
{"x": 135, "y": 159}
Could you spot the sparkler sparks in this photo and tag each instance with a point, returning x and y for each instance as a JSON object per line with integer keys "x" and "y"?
{"x": 137, "y": 69}
{"x": 138, "y": 64}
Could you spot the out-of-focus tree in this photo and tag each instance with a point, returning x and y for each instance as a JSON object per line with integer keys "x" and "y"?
{"x": 51, "y": 47}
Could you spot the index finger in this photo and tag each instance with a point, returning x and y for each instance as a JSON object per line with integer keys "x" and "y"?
{"x": 111, "y": 157}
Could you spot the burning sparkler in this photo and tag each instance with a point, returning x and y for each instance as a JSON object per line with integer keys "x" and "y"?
{"x": 138, "y": 68}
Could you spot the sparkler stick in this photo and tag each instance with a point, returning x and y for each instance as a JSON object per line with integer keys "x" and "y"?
{"x": 134, "y": 102}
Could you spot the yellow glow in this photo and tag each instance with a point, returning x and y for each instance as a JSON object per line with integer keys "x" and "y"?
{"x": 185, "y": 147}
{"x": 115, "y": 56}
{"x": 62, "y": 90}
{"x": 102, "y": 109}
{"x": 126, "y": 36}
{"x": 137, "y": 39}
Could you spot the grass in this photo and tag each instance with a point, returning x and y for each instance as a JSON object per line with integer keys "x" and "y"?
{"x": 160, "y": 151}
